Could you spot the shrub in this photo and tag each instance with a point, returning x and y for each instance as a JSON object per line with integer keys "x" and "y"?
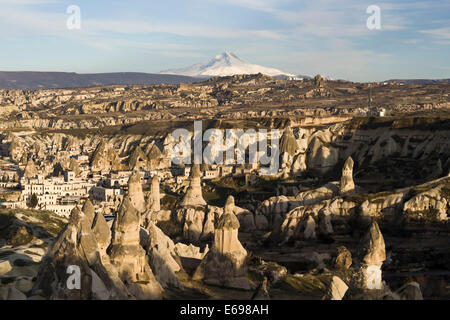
{"x": 34, "y": 201}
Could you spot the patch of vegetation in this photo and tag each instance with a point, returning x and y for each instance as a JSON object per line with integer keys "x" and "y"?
{"x": 398, "y": 139}
{"x": 424, "y": 123}
{"x": 445, "y": 192}
{"x": 308, "y": 284}
{"x": 46, "y": 222}
{"x": 42, "y": 245}
{"x": 216, "y": 198}
{"x": 31, "y": 252}
{"x": 379, "y": 197}
{"x": 24, "y": 263}
{"x": 169, "y": 202}
{"x": 430, "y": 215}
{"x": 7, "y": 280}
{"x": 356, "y": 198}
{"x": 371, "y": 123}
{"x": 34, "y": 201}
{"x": 5, "y": 254}
{"x": 170, "y": 228}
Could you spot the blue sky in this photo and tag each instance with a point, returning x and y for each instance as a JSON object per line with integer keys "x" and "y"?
{"x": 329, "y": 37}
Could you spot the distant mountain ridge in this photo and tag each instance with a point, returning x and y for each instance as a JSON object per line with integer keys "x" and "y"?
{"x": 225, "y": 64}
{"x": 29, "y": 80}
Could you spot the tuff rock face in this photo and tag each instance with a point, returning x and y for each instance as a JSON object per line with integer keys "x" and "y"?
{"x": 325, "y": 226}
{"x": 15, "y": 148}
{"x": 137, "y": 160}
{"x": 74, "y": 166}
{"x": 76, "y": 248}
{"x": 225, "y": 263}
{"x": 155, "y": 157}
{"x": 410, "y": 291}
{"x": 372, "y": 254}
{"x": 288, "y": 143}
{"x": 122, "y": 272}
{"x": 372, "y": 246}
{"x": 88, "y": 210}
{"x": 193, "y": 196}
{"x": 336, "y": 289}
{"x": 129, "y": 257}
{"x": 347, "y": 184}
{"x": 155, "y": 197}
{"x": 102, "y": 234}
{"x": 30, "y": 170}
{"x": 428, "y": 201}
{"x": 309, "y": 228}
{"x": 288, "y": 150}
{"x": 163, "y": 258}
{"x": 193, "y": 208}
{"x": 343, "y": 259}
{"x": 135, "y": 192}
{"x": 105, "y": 158}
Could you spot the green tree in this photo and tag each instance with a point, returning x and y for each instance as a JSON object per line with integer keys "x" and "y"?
{"x": 34, "y": 201}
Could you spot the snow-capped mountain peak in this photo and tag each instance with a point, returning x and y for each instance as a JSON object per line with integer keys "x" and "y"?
{"x": 225, "y": 64}
{"x": 226, "y": 56}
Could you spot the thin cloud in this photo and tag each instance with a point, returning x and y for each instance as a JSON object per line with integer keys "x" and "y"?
{"x": 441, "y": 33}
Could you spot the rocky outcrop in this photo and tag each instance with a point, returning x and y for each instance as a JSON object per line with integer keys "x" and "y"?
{"x": 428, "y": 205}
{"x": 343, "y": 259}
{"x": 336, "y": 289}
{"x": 30, "y": 170}
{"x": 74, "y": 166}
{"x": 299, "y": 164}
{"x": 190, "y": 251}
{"x": 105, "y": 158}
{"x": 410, "y": 291}
{"x": 325, "y": 225}
{"x": 377, "y": 204}
{"x": 193, "y": 196}
{"x": 225, "y": 263}
{"x": 309, "y": 226}
{"x": 163, "y": 257}
{"x": 75, "y": 258}
{"x": 347, "y": 184}
{"x": 15, "y": 149}
{"x": 288, "y": 150}
{"x": 102, "y": 233}
{"x": 138, "y": 160}
{"x": 372, "y": 254}
{"x": 192, "y": 221}
{"x": 135, "y": 192}
{"x": 89, "y": 210}
{"x": 156, "y": 158}
{"x": 128, "y": 256}
{"x": 300, "y": 223}
{"x": 11, "y": 293}
{"x": 192, "y": 210}
{"x": 155, "y": 197}
{"x": 320, "y": 155}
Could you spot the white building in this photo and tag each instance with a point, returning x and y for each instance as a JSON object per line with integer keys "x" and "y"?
{"x": 210, "y": 174}
{"x": 69, "y": 176}
{"x": 56, "y": 194}
{"x": 13, "y": 204}
{"x": 60, "y": 209}
{"x": 106, "y": 194}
